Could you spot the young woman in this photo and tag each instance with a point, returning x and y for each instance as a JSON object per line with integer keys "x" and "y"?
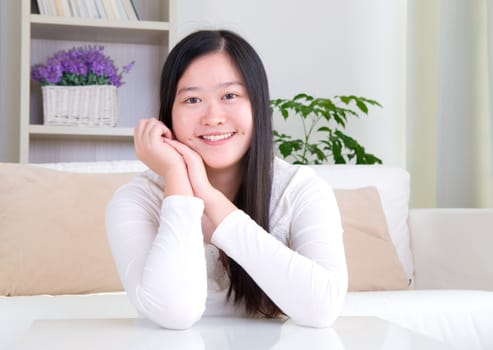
{"x": 218, "y": 225}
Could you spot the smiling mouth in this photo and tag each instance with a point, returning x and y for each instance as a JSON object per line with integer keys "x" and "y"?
{"x": 218, "y": 137}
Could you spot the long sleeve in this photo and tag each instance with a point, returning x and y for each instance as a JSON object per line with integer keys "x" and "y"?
{"x": 159, "y": 253}
{"x": 307, "y": 278}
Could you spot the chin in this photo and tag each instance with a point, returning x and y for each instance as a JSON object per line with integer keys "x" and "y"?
{"x": 221, "y": 164}
{"x": 218, "y": 165}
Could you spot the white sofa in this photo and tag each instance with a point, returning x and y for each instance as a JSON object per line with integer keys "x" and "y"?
{"x": 447, "y": 252}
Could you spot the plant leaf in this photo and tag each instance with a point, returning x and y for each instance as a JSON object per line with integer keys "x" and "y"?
{"x": 336, "y": 147}
{"x": 362, "y": 106}
{"x": 324, "y": 129}
{"x": 302, "y": 96}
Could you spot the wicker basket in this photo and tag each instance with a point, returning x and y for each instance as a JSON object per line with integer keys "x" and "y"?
{"x": 91, "y": 105}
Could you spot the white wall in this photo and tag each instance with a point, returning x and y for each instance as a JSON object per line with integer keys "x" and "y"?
{"x": 325, "y": 48}
{"x": 9, "y": 80}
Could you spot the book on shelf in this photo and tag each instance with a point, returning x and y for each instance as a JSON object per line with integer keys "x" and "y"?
{"x": 82, "y": 6}
{"x": 63, "y": 8}
{"x": 100, "y": 9}
{"x": 49, "y": 7}
{"x": 108, "y": 9}
{"x": 130, "y": 9}
{"x": 118, "y": 6}
{"x": 74, "y": 10}
{"x": 35, "y": 7}
{"x": 118, "y": 10}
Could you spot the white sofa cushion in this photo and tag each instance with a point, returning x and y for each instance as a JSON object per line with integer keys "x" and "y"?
{"x": 452, "y": 248}
{"x": 392, "y": 185}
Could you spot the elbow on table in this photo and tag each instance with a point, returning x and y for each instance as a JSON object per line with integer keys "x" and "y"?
{"x": 319, "y": 319}
{"x": 179, "y": 313}
{"x": 178, "y": 318}
{"x": 171, "y": 309}
{"x": 321, "y": 314}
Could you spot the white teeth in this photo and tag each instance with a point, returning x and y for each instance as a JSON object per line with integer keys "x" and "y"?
{"x": 217, "y": 137}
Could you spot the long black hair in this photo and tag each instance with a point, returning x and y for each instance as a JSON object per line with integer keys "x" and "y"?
{"x": 253, "y": 196}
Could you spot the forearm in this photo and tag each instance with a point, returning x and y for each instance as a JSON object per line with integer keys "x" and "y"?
{"x": 217, "y": 206}
{"x": 161, "y": 259}
{"x": 309, "y": 293}
{"x": 177, "y": 182}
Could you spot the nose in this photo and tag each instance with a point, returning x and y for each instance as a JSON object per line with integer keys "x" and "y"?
{"x": 213, "y": 115}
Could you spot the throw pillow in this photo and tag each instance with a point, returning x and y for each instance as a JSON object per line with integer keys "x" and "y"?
{"x": 52, "y": 232}
{"x": 371, "y": 257}
{"x": 393, "y": 187}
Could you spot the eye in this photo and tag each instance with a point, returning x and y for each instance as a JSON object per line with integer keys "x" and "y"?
{"x": 192, "y": 100}
{"x": 230, "y": 96}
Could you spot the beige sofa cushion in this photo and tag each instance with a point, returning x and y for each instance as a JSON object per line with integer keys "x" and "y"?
{"x": 52, "y": 235}
{"x": 372, "y": 259}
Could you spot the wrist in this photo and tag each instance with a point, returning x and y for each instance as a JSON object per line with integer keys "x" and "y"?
{"x": 217, "y": 207}
{"x": 176, "y": 182}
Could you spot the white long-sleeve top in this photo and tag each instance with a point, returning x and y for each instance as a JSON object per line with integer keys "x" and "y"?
{"x": 173, "y": 278}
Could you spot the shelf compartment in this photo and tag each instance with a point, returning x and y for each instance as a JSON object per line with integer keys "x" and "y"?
{"x": 79, "y": 149}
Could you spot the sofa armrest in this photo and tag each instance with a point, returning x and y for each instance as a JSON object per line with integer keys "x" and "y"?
{"x": 452, "y": 248}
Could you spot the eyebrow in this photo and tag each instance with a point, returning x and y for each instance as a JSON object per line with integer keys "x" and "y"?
{"x": 222, "y": 85}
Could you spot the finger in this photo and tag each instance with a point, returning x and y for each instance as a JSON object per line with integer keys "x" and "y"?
{"x": 142, "y": 130}
{"x": 192, "y": 159}
{"x": 154, "y": 134}
{"x": 147, "y": 137}
{"x": 151, "y": 133}
{"x": 168, "y": 134}
{"x": 139, "y": 132}
{"x": 195, "y": 168}
{"x": 157, "y": 129}
{"x": 139, "y": 129}
{"x": 184, "y": 150}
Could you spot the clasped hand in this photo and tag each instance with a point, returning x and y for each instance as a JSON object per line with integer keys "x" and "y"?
{"x": 183, "y": 171}
{"x": 181, "y": 167}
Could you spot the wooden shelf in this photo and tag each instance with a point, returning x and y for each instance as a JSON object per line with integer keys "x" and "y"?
{"x": 107, "y": 132}
{"x": 84, "y": 29}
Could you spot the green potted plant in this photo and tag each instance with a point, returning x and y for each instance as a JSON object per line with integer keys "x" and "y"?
{"x": 323, "y": 121}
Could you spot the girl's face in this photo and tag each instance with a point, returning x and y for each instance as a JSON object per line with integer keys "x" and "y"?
{"x": 212, "y": 113}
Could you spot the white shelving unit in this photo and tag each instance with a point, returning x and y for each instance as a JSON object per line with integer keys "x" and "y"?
{"x": 50, "y": 131}
{"x": 146, "y": 41}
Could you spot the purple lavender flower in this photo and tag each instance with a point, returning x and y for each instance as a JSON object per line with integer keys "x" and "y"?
{"x": 36, "y": 73}
{"x": 126, "y": 68}
{"x": 79, "y": 66}
{"x": 46, "y": 74}
{"x": 115, "y": 80}
{"x": 53, "y": 74}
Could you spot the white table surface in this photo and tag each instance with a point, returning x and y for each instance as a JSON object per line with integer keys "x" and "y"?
{"x": 217, "y": 333}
